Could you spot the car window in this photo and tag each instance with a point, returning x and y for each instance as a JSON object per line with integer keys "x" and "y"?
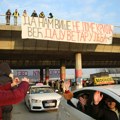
{"x": 90, "y": 101}
{"x": 104, "y": 104}
{"x": 74, "y": 102}
{"x": 40, "y": 90}
{"x": 108, "y": 98}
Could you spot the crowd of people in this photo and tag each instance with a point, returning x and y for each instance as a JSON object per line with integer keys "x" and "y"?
{"x": 16, "y": 14}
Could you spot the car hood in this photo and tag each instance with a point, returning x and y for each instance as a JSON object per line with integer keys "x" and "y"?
{"x": 46, "y": 96}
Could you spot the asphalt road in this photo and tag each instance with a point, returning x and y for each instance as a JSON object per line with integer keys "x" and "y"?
{"x": 20, "y": 112}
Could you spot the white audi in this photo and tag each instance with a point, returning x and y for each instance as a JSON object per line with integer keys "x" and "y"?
{"x": 42, "y": 97}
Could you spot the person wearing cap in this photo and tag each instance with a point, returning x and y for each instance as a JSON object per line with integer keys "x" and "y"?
{"x": 6, "y": 76}
{"x": 107, "y": 112}
{"x": 9, "y": 96}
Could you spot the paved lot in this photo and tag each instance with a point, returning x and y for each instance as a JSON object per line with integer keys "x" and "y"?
{"x": 20, "y": 112}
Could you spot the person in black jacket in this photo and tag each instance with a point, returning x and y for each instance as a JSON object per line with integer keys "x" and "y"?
{"x": 6, "y": 77}
{"x": 34, "y": 14}
{"x": 50, "y": 15}
{"x": 82, "y": 103}
{"x": 107, "y": 112}
{"x": 8, "y": 15}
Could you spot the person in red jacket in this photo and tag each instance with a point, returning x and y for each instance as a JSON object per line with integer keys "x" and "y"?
{"x": 6, "y": 76}
{"x": 8, "y": 96}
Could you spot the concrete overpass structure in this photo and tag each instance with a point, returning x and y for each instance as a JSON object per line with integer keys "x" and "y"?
{"x": 32, "y": 53}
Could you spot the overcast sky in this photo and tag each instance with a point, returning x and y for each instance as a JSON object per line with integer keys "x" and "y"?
{"x": 98, "y": 11}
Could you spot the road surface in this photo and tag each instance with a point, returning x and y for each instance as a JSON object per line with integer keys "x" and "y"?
{"x": 20, "y": 112}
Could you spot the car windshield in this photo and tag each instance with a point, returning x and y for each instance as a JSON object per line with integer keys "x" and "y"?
{"x": 40, "y": 90}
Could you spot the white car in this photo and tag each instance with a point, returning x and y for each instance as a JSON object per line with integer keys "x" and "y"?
{"x": 40, "y": 98}
{"x": 68, "y": 111}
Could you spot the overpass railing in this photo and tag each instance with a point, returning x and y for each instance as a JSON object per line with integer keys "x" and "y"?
{"x": 3, "y": 22}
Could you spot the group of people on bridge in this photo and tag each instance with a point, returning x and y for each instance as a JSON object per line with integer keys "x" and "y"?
{"x": 16, "y": 14}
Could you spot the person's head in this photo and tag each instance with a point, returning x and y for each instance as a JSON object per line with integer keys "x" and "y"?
{"x": 15, "y": 10}
{"x": 110, "y": 103}
{"x": 6, "y": 74}
{"x": 5, "y": 69}
{"x": 51, "y": 15}
{"x": 24, "y": 11}
{"x": 83, "y": 97}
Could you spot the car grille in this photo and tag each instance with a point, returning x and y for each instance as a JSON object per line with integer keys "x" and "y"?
{"x": 36, "y": 107}
{"x": 49, "y": 103}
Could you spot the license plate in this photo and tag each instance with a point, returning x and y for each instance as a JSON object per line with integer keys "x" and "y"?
{"x": 50, "y": 104}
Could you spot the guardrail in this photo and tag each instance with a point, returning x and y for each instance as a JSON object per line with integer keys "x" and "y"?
{"x": 116, "y": 30}
{"x": 3, "y": 22}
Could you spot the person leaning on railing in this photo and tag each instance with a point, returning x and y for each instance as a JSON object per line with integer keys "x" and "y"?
{"x": 25, "y": 13}
{"x": 16, "y": 15}
{"x": 8, "y": 15}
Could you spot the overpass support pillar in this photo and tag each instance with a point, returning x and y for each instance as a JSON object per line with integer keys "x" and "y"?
{"x": 62, "y": 71}
{"x": 78, "y": 70}
{"x": 41, "y": 75}
{"x": 47, "y": 75}
{"x": 62, "y": 75}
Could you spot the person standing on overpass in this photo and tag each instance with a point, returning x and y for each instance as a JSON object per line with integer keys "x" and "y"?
{"x": 8, "y": 15}
{"x": 16, "y": 15}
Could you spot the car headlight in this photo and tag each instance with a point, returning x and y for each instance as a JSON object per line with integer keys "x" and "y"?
{"x": 35, "y": 101}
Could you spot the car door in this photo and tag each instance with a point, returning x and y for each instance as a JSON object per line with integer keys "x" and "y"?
{"x": 67, "y": 112}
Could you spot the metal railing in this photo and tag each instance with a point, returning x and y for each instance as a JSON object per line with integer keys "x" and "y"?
{"x": 116, "y": 30}
{"x": 3, "y": 22}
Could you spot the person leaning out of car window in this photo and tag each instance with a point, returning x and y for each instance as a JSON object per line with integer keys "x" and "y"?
{"x": 82, "y": 103}
{"x": 107, "y": 112}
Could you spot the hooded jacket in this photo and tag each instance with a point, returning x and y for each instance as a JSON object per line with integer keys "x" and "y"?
{"x": 8, "y": 97}
{"x": 5, "y": 70}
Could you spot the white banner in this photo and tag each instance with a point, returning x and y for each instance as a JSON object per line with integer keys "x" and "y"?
{"x": 66, "y": 31}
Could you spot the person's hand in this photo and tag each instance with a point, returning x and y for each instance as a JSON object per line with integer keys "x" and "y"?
{"x": 15, "y": 82}
{"x": 97, "y": 97}
{"x": 11, "y": 75}
{"x": 83, "y": 101}
{"x": 25, "y": 79}
{"x": 67, "y": 85}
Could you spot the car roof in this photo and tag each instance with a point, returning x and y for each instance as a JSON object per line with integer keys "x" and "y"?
{"x": 43, "y": 86}
{"x": 111, "y": 90}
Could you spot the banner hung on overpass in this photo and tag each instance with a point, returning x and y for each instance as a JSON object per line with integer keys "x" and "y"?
{"x": 66, "y": 31}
